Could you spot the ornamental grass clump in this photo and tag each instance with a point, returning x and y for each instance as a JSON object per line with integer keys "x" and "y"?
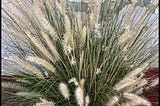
{"x": 93, "y": 54}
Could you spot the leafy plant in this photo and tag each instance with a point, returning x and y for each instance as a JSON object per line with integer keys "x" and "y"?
{"x": 64, "y": 57}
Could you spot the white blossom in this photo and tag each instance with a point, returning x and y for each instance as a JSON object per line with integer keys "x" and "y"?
{"x": 69, "y": 49}
{"x": 98, "y": 71}
{"x": 73, "y": 61}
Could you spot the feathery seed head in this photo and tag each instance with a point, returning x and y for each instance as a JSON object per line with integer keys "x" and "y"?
{"x": 136, "y": 100}
{"x": 81, "y": 83}
{"x": 83, "y": 36}
{"x": 79, "y": 93}
{"x": 44, "y": 103}
{"x": 97, "y": 31}
{"x": 124, "y": 83}
{"x": 40, "y": 17}
{"x": 40, "y": 46}
{"x": 51, "y": 46}
{"x": 28, "y": 95}
{"x": 43, "y": 100}
{"x": 136, "y": 86}
{"x": 74, "y": 80}
{"x": 41, "y": 62}
{"x": 87, "y": 101}
{"x": 81, "y": 60}
{"x": 139, "y": 91}
{"x": 64, "y": 90}
{"x": 68, "y": 40}
{"x": 92, "y": 20}
{"x": 67, "y": 24}
{"x": 113, "y": 100}
{"x": 137, "y": 71}
{"x": 154, "y": 82}
{"x": 79, "y": 22}
{"x": 132, "y": 66}
{"x": 63, "y": 5}
{"x": 46, "y": 73}
{"x": 126, "y": 37}
{"x": 60, "y": 7}
{"x": 31, "y": 69}
{"x": 53, "y": 30}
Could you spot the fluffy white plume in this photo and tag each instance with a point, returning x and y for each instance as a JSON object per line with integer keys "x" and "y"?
{"x": 31, "y": 69}
{"x": 74, "y": 80}
{"x": 44, "y": 103}
{"x": 79, "y": 93}
{"x": 130, "y": 78}
{"x": 87, "y": 101}
{"x": 81, "y": 83}
{"x": 41, "y": 62}
{"x": 112, "y": 101}
{"x": 64, "y": 90}
{"x": 136, "y": 100}
{"x": 154, "y": 82}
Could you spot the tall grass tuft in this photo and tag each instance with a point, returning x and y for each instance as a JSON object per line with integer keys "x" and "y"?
{"x": 93, "y": 54}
